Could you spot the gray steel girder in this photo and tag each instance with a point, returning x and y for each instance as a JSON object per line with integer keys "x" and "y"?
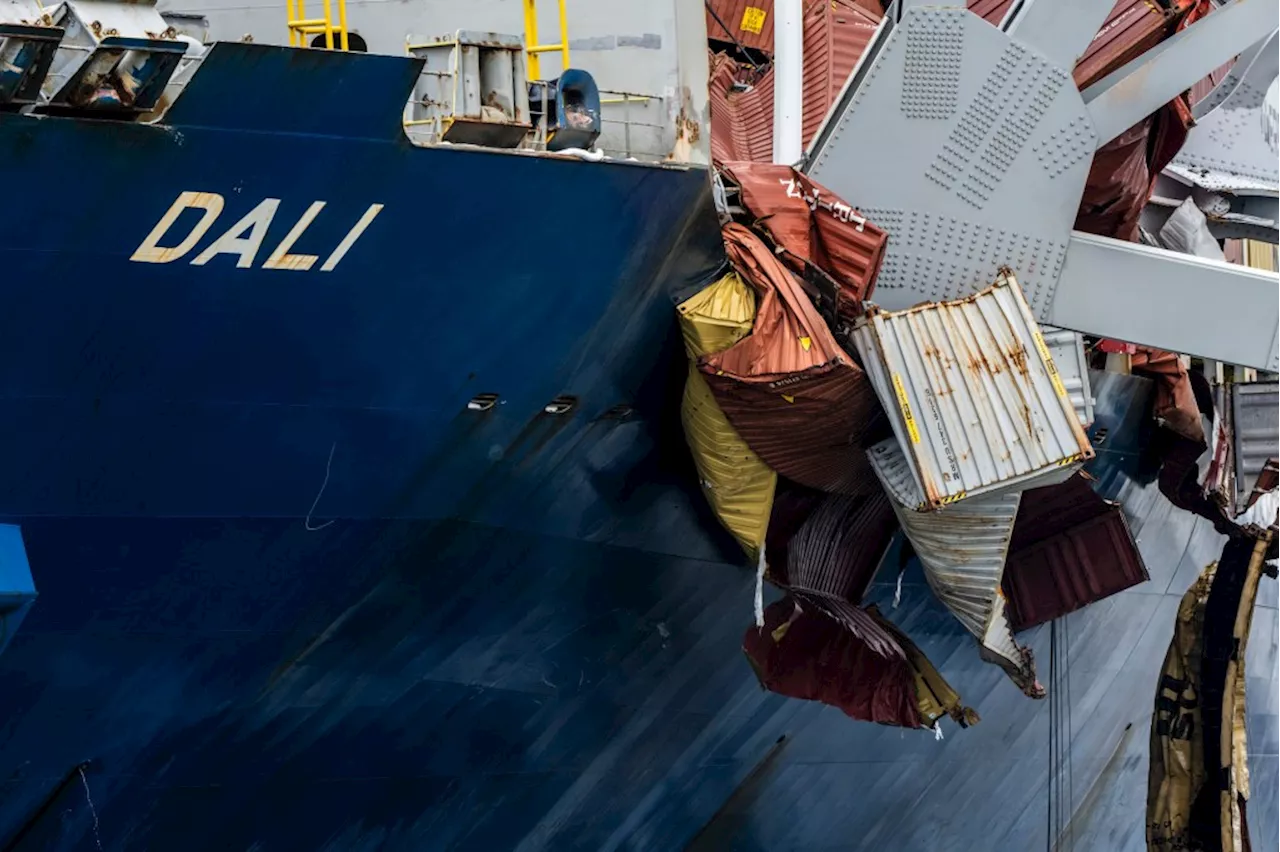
{"x": 971, "y": 149}
{"x": 1233, "y": 148}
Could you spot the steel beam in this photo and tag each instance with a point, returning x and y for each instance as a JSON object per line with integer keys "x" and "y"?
{"x": 1125, "y": 97}
{"x": 1060, "y": 31}
{"x": 1172, "y": 301}
{"x": 1238, "y": 71}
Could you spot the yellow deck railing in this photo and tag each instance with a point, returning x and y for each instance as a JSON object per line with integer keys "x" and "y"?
{"x": 300, "y": 26}
{"x": 536, "y": 50}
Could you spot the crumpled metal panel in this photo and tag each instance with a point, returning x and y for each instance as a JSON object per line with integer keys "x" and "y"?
{"x": 962, "y": 549}
{"x": 973, "y": 394}
{"x": 874, "y": 674}
{"x": 741, "y": 111}
{"x": 804, "y": 654}
{"x": 1256, "y": 423}
{"x": 812, "y": 224}
{"x": 789, "y": 390}
{"x": 737, "y": 484}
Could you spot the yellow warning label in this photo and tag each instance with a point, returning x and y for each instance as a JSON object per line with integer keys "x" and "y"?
{"x": 906, "y": 408}
{"x": 753, "y": 20}
{"x": 953, "y": 498}
{"x": 806, "y": 342}
{"x": 788, "y": 397}
{"x": 1048, "y": 363}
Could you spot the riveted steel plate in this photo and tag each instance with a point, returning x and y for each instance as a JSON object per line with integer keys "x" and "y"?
{"x": 992, "y": 144}
{"x": 1234, "y": 148}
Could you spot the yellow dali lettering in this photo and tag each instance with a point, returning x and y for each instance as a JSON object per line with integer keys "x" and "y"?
{"x": 245, "y": 238}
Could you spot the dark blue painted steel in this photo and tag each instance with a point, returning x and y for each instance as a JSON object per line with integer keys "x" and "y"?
{"x": 534, "y": 648}
{"x": 17, "y": 589}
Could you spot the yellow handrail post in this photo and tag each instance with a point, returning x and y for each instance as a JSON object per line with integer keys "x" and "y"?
{"x": 531, "y": 38}
{"x": 533, "y": 49}
{"x": 564, "y": 38}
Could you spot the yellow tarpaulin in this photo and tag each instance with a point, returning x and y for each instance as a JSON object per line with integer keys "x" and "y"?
{"x": 737, "y": 484}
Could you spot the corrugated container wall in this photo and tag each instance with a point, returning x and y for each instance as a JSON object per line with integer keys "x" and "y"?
{"x": 1257, "y": 422}
{"x": 745, "y": 22}
{"x": 836, "y": 32}
{"x": 973, "y": 394}
{"x": 1070, "y": 548}
{"x": 962, "y": 550}
{"x": 835, "y": 36}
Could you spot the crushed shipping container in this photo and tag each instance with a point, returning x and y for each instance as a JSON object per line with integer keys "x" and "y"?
{"x": 790, "y": 391}
{"x": 745, "y": 23}
{"x": 973, "y": 394}
{"x": 737, "y": 484}
{"x": 877, "y": 675}
{"x": 962, "y": 551}
{"x": 811, "y": 224}
{"x": 1198, "y": 785}
{"x": 1070, "y": 548}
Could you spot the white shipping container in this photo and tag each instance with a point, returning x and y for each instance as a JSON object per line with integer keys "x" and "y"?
{"x": 962, "y": 549}
{"x": 973, "y": 394}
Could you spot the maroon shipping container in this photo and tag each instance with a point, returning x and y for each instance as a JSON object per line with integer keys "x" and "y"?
{"x": 1070, "y": 548}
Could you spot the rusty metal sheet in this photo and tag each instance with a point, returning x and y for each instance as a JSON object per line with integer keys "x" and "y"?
{"x": 789, "y": 390}
{"x": 810, "y": 223}
{"x": 1175, "y": 404}
{"x": 1256, "y": 423}
{"x": 836, "y": 33}
{"x": 973, "y": 394}
{"x": 745, "y": 22}
{"x": 741, "y": 103}
{"x": 962, "y": 550}
{"x": 1070, "y": 548}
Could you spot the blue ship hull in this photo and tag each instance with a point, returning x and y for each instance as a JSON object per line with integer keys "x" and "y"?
{"x": 295, "y": 595}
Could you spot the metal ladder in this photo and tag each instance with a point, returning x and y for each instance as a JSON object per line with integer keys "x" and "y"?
{"x": 532, "y": 48}
{"x": 300, "y": 26}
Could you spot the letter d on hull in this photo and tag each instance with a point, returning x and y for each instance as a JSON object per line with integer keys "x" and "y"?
{"x": 150, "y": 251}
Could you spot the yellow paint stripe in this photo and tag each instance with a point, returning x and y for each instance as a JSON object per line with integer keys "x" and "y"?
{"x": 901, "y": 392}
